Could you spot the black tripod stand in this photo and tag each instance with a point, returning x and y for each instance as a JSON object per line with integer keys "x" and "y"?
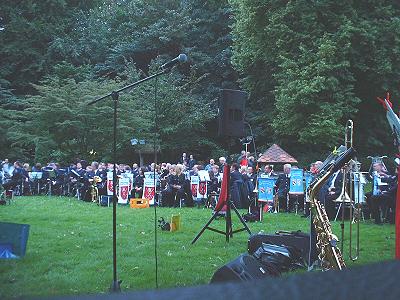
{"x": 224, "y": 201}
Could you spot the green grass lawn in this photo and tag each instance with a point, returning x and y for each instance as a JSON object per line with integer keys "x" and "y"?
{"x": 70, "y": 247}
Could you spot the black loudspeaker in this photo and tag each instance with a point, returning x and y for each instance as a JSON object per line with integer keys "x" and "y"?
{"x": 231, "y": 113}
{"x": 297, "y": 239}
{"x": 243, "y": 268}
{"x": 13, "y": 238}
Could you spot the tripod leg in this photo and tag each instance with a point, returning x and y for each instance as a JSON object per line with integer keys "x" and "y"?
{"x": 240, "y": 218}
{"x": 205, "y": 227}
{"x": 228, "y": 228}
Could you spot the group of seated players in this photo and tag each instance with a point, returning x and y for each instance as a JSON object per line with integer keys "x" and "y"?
{"x": 174, "y": 185}
{"x": 77, "y": 179}
{"x": 380, "y": 201}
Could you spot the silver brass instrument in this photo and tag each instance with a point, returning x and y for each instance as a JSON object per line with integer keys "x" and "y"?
{"x": 328, "y": 252}
{"x": 344, "y": 198}
{"x": 355, "y": 215}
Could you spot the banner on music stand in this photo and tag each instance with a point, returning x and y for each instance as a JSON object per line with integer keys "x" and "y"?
{"x": 202, "y": 189}
{"x": 296, "y": 181}
{"x": 110, "y": 183}
{"x": 359, "y": 182}
{"x": 148, "y": 190}
{"x": 150, "y": 175}
{"x": 123, "y": 190}
{"x": 130, "y": 177}
{"x": 308, "y": 177}
{"x": 266, "y": 189}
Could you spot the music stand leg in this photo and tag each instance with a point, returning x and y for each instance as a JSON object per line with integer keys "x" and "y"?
{"x": 337, "y": 213}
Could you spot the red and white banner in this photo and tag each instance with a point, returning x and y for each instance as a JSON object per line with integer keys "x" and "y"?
{"x": 194, "y": 185}
{"x": 130, "y": 177}
{"x": 109, "y": 183}
{"x": 198, "y": 188}
{"x": 148, "y": 190}
{"x": 123, "y": 191}
{"x": 202, "y": 191}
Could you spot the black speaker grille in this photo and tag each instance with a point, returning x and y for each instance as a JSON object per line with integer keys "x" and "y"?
{"x": 231, "y": 113}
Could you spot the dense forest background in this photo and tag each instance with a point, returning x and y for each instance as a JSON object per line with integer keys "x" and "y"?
{"x": 308, "y": 66}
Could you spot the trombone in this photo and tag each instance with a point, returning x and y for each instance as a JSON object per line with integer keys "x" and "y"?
{"x": 354, "y": 214}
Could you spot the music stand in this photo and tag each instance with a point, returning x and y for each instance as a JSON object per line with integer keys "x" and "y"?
{"x": 224, "y": 203}
{"x": 36, "y": 177}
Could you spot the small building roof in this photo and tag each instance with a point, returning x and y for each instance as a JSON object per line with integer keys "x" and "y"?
{"x": 276, "y": 155}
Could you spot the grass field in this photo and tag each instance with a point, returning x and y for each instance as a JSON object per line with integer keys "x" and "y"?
{"x": 70, "y": 247}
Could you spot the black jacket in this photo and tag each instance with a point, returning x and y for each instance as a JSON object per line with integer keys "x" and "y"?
{"x": 283, "y": 185}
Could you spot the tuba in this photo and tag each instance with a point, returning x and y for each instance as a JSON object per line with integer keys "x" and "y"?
{"x": 94, "y": 191}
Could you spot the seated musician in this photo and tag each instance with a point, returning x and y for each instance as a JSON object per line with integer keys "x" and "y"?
{"x": 334, "y": 188}
{"x": 175, "y": 188}
{"x": 58, "y": 181}
{"x": 210, "y": 165}
{"x": 213, "y": 184}
{"x": 135, "y": 170}
{"x": 222, "y": 163}
{"x": 17, "y": 177}
{"x": 139, "y": 183}
{"x": 384, "y": 190}
{"x": 215, "y": 170}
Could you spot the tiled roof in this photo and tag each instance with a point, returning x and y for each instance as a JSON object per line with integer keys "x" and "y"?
{"x": 277, "y": 155}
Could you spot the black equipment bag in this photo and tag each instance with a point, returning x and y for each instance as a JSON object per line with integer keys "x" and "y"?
{"x": 295, "y": 239}
{"x": 283, "y": 258}
{"x": 244, "y": 268}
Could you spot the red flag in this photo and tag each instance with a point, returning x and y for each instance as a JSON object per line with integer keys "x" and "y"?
{"x": 397, "y": 254}
{"x": 223, "y": 196}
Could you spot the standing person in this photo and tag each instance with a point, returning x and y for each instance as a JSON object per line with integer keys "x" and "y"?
{"x": 192, "y": 162}
{"x": 251, "y": 162}
{"x": 242, "y": 160}
{"x": 269, "y": 171}
{"x": 236, "y": 183}
{"x": 283, "y": 184}
{"x": 183, "y": 160}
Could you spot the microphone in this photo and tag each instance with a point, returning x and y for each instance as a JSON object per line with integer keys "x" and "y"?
{"x": 181, "y": 58}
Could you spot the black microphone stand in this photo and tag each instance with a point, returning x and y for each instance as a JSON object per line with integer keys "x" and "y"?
{"x": 116, "y": 284}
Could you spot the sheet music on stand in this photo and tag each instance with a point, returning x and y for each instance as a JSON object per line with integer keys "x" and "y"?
{"x": 35, "y": 175}
{"x": 203, "y": 175}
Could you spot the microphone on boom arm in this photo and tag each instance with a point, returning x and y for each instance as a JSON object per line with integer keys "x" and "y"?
{"x": 181, "y": 58}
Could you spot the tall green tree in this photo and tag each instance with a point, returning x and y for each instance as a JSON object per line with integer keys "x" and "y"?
{"x": 57, "y": 124}
{"x": 311, "y": 65}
